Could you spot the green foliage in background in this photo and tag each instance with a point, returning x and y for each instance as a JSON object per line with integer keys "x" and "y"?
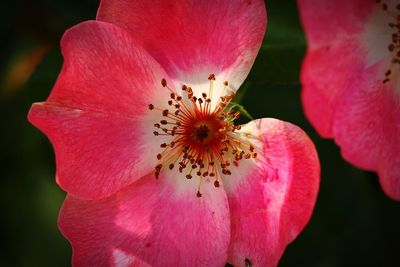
{"x": 354, "y": 223}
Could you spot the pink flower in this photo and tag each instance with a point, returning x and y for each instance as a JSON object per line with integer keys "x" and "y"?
{"x": 351, "y": 85}
{"x": 156, "y": 171}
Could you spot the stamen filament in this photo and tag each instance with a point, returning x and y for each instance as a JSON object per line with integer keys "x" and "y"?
{"x": 204, "y": 139}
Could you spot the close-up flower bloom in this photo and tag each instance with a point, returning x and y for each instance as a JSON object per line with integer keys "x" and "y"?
{"x": 143, "y": 127}
{"x": 351, "y": 86}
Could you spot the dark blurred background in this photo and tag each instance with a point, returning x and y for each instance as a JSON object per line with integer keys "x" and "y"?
{"x": 354, "y": 223}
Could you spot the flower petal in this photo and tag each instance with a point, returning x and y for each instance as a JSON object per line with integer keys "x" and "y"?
{"x": 97, "y": 114}
{"x": 344, "y": 93}
{"x": 322, "y": 86}
{"x": 367, "y": 128}
{"x": 333, "y": 47}
{"x": 149, "y": 223}
{"x": 192, "y": 39}
{"x": 389, "y": 174}
{"x": 272, "y": 200}
{"x": 328, "y": 21}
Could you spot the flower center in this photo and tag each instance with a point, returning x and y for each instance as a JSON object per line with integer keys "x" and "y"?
{"x": 201, "y": 133}
{"x": 394, "y": 45}
{"x": 204, "y": 140}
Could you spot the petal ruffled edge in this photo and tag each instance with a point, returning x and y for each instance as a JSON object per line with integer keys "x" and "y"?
{"x": 192, "y": 39}
{"x": 272, "y": 199}
{"x": 367, "y": 128}
{"x": 325, "y": 74}
{"x": 149, "y": 223}
{"x": 325, "y": 21}
{"x": 97, "y": 114}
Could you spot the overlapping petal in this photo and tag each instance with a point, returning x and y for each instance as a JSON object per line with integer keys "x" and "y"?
{"x": 344, "y": 95}
{"x": 192, "y": 39}
{"x": 117, "y": 214}
{"x": 149, "y": 223}
{"x": 271, "y": 201}
{"x": 368, "y": 131}
{"x": 330, "y": 22}
{"x": 96, "y": 115}
{"x": 331, "y": 28}
{"x": 322, "y": 87}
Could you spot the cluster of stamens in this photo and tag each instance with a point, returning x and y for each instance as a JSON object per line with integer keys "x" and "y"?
{"x": 394, "y": 46}
{"x": 205, "y": 142}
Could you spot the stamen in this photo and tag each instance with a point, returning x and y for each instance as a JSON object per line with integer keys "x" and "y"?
{"x": 394, "y": 46}
{"x": 205, "y": 142}
{"x": 211, "y": 78}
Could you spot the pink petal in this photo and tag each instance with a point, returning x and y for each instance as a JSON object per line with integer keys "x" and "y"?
{"x": 322, "y": 86}
{"x": 389, "y": 174}
{"x": 332, "y": 29}
{"x": 343, "y": 92}
{"x": 328, "y": 22}
{"x": 149, "y": 223}
{"x": 192, "y": 39}
{"x": 96, "y": 115}
{"x": 367, "y": 128}
{"x": 272, "y": 201}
